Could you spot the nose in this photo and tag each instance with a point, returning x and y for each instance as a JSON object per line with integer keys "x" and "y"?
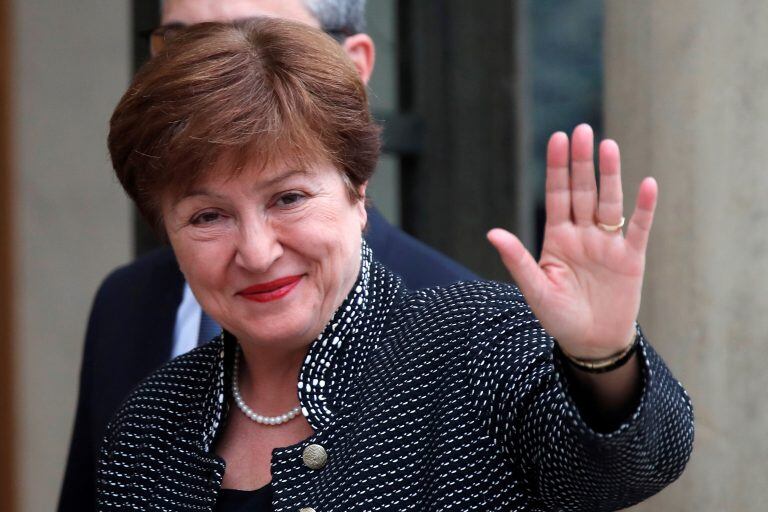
{"x": 258, "y": 246}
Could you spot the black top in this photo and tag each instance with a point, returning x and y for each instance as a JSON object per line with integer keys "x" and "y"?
{"x": 447, "y": 399}
{"x": 233, "y": 500}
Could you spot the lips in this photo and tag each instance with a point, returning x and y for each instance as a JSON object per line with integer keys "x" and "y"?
{"x": 273, "y": 290}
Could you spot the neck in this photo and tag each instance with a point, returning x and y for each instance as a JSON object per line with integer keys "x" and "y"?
{"x": 268, "y": 379}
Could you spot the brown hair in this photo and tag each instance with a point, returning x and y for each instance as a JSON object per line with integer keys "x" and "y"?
{"x": 255, "y": 92}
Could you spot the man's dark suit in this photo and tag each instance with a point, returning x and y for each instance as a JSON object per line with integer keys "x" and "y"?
{"x": 130, "y": 333}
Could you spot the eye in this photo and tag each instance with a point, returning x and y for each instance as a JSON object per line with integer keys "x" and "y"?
{"x": 290, "y": 199}
{"x": 205, "y": 218}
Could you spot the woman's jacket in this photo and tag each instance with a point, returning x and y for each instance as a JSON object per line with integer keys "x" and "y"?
{"x": 442, "y": 399}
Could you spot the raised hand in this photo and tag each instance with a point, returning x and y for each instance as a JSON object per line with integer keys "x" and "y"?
{"x": 586, "y": 287}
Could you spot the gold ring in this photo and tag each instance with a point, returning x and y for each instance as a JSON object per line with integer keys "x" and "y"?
{"x": 611, "y": 227}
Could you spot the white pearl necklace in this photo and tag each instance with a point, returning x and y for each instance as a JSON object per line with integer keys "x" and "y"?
{"x": 253, "y": 415}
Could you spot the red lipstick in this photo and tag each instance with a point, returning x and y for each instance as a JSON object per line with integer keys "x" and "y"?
{"x": 273, "y": 290}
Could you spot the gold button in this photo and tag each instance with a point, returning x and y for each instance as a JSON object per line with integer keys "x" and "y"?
{"x": 315, "y": 456}
{"x": 307, "y": 509}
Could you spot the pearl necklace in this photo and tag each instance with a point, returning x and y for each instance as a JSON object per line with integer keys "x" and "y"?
{"x": 253, "y": 415}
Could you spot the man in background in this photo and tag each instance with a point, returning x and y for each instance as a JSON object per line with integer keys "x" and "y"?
{"x": 144, "y": 313}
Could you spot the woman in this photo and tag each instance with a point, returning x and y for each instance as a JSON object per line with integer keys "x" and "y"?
{"x": 332, "y": 386}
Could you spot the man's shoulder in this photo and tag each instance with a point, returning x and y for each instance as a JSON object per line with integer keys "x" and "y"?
{"x": 146, "y": 267}
{"x": 419, "y": 265}
{"x": 154, "y": 270}
{"x": 130, "y": 332}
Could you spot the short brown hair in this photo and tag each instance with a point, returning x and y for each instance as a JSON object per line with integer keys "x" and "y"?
{"x": 254, "y": 92}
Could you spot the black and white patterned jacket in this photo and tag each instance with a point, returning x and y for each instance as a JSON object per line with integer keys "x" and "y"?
{"x": 441, "y": 399}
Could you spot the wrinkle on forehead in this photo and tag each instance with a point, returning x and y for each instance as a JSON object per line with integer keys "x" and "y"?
{"x": 267, "y": 166}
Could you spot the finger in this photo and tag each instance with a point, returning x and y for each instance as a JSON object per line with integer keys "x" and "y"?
{"x": 640, "y": 224}
{"x": 558, "y": 189}
{"x": 583, "y": 186}
{"x": 610, "y": 205}
{"x": 523, "y": 267}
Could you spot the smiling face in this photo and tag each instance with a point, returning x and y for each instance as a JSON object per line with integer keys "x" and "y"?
{"x": 270, "y": 253}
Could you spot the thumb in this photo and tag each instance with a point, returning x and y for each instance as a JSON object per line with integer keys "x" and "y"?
{"x": 520, "y": 263}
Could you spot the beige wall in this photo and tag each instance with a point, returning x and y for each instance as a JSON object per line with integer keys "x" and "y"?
{"x": 72, "y": 62}
{"x": 687, "y": 98}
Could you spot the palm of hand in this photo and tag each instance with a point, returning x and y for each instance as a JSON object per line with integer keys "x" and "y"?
{"x": 588, "y": 277}
{"x": 586, "y": 287}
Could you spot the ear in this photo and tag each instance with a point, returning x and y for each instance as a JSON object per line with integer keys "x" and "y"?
{"x": 362, "y": 51}
{"x": 362, "y": 210}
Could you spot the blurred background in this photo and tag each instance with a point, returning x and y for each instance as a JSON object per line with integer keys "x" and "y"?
{"x": 468, "y": 93}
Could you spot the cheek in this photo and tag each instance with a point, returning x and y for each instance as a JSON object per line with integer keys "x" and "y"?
{"x": 328, "y": 239}
{"x": 203, "y": 263}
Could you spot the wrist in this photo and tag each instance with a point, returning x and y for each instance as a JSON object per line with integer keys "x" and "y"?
{"x": 609, "y": 363}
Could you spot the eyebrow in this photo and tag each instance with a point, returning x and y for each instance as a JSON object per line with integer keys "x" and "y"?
{"x": 271, "y": 182}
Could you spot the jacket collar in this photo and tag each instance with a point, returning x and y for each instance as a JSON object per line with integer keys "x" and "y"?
{"x": 334, "y": 359}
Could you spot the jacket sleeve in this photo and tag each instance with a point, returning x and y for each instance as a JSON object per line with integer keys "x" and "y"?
{"x": 534, "y": 420}
{"x": 78, "y": 491}
{"x": 129, "y": 335}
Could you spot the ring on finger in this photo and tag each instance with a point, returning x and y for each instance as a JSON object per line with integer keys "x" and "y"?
{"x": 610, "y": 228}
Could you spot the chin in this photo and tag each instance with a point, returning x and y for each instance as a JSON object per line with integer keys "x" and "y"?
{"x": 276, "y": 331}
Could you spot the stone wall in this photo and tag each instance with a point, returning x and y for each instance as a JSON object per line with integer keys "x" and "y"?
{"x": 687, "y": 99}
{"x": 71, "y": 64}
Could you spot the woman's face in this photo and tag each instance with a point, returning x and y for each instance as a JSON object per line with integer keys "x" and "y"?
{"x": 269, "y": 254}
